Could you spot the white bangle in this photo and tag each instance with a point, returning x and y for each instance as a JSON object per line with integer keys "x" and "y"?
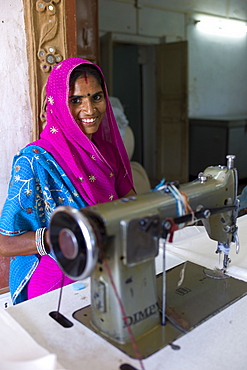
{"x": 39, "y": 240}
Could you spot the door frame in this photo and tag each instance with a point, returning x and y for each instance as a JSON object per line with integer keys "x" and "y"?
{"x": 51, "y": 37}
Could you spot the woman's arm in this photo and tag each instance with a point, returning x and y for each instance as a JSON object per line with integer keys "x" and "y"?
{"x": 21, "y": 245}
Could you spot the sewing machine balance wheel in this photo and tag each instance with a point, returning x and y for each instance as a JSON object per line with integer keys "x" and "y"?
{"x": 74, "y": 242}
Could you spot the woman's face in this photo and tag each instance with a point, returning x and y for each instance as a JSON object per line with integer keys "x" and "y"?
{"x": 87, "y": 104}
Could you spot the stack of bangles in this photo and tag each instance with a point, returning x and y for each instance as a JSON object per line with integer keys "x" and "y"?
{"x": 40, "y": 242}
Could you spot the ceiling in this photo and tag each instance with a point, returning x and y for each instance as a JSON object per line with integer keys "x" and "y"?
{"x": 235, "y": 9}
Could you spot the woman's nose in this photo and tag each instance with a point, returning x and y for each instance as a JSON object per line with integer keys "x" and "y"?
{"x": 87, "y": 106}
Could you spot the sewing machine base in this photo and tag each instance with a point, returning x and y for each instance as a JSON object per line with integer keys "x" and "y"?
{"x": 198, "y": 298}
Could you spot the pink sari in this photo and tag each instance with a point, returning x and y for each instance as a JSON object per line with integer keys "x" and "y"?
{"x": 79, "y": 157}
{"x": 92, "y": 169}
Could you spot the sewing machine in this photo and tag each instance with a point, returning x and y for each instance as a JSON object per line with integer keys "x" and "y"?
{"x": 116, "y": 244}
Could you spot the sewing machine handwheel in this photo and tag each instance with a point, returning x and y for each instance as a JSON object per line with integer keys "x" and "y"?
{"x": 74, "y": 242}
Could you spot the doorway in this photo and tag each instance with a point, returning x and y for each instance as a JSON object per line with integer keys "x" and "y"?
{"x": 134, "y": 83}
{"x": 127, "y": 87}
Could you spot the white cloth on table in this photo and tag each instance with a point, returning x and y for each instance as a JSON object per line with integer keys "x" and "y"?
{"x": 19, "y": 351}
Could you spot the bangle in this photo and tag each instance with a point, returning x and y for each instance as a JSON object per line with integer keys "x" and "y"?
{"x": 39, "y": 241}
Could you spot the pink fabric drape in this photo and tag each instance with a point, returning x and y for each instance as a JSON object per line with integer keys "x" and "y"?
{"x": 89, "y": 166}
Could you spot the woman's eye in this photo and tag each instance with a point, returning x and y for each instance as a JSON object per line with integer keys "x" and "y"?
{"x": 98, "y": 97}
{"x": 75, "y": 101}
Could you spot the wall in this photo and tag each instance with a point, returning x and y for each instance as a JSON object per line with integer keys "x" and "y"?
{"x": 15, "y": 118}
{"x": 217, "y": 74}
{"x": 217, "y": 65}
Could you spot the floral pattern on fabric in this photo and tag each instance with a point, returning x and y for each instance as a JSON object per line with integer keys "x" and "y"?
{"x": 38, "y": 185}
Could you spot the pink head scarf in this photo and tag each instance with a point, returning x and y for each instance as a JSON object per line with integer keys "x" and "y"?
{"x": 83, "y": 162}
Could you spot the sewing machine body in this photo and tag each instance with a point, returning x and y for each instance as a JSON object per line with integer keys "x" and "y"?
{"x": 116, "y": 244}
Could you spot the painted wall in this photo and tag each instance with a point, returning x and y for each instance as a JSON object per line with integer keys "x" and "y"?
{"x": 15, "y": 117}
{"x": 217, "y": 74}
{"x": 217, "y": 65}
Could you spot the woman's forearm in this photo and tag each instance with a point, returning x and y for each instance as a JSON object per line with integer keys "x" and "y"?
{"x": 20, "y": 245}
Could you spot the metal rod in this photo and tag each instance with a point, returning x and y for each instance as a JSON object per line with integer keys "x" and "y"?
{"x": 203, "y": 213}
{"x": 163, "y": 308}
{"x": 60, "y": 295}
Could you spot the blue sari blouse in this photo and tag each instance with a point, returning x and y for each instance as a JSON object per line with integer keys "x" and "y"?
{"x": 37, "y": 186}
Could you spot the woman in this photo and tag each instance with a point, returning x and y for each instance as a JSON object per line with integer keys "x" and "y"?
{"x": 80, "y": 160}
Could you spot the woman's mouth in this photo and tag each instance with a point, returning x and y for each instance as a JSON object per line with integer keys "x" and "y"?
{"x": 87, "y": 121}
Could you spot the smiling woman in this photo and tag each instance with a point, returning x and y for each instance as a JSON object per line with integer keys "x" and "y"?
{"x": 87, "y": 99}
{"x": 80, "y": 160}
